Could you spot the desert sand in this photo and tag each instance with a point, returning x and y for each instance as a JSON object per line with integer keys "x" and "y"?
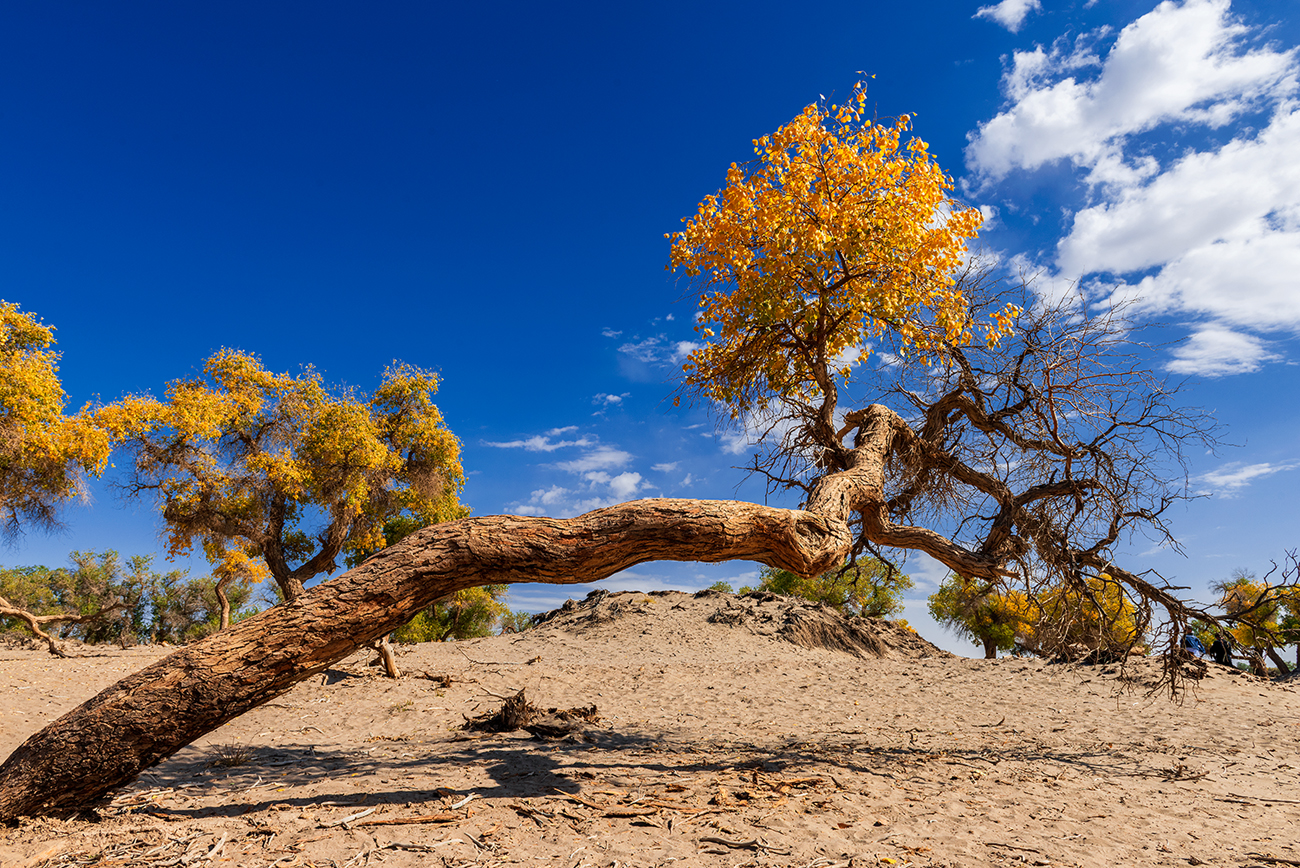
{"x": 722, "y": 740}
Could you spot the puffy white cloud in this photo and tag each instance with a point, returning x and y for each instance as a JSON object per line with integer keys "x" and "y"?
{"x": 667, "y": 467}
{"x": 1210, "y": 233}
{"x": 1182, "y": 63}
{"x": 1244, "y": 191}
{"x": 1214, "y": 352}
{"x": 1009, "y": 13}
{"x": 606, "y": 400}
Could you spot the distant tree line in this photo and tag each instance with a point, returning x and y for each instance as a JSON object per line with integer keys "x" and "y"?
{"x": 1099, "y": 621}
{"x": 107, "y": 599}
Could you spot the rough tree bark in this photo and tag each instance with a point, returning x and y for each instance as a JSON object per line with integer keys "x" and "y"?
{"x": 150, "y": 715}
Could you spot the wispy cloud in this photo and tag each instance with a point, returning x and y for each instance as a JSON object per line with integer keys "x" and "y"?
{"x": 658, "y": 349}
{"x": 1215, "y": 352}
{"x": 543, "y": 442}
{"x": 1231, "y": 478}
{"x": 600, "y": 458}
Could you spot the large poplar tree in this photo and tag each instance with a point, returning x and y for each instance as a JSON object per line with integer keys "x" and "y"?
{"x": 907, "y": 400}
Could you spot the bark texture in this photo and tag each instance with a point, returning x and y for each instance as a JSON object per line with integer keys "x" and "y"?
{"x": 148, "y": 716}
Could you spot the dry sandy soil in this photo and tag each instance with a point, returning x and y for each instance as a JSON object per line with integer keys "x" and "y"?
{"x": 722, "y": 740}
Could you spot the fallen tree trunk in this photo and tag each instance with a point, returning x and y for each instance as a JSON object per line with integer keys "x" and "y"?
{"x": 148, "y": 716}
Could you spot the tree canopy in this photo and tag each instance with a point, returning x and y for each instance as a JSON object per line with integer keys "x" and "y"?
{"x": 287, "y": 467}
{"x": 839, "y": 234}
{"x": 44, "y": 454}
{"x": 886, "y": 373}
{"x": 995, "y": 618}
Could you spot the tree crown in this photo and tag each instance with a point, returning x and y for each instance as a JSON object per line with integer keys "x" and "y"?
{"x": 839, "y": 235}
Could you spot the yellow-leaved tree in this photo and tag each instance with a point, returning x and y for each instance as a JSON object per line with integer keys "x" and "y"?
{"x": 838, "y": 236}
{"x": 1092, "y": 620}
{"x": 1259, "y": 612}
{"x": 1015, "y": 439}
{"x": 245, "y": 460}
{"x": 45, "y": 455}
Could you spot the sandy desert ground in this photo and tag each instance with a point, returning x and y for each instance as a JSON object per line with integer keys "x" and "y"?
{"x": 721, "y": 741}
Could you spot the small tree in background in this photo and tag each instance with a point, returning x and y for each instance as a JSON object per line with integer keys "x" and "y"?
{"x": 1264, "y": 619}
{"x": 870, "y": 587}
{"x": 1095, "y": 618}
{"x": 998, "y": 619}
{"x": 516, "y": 622}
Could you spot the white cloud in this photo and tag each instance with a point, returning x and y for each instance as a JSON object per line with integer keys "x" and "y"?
{"x": 659, "y": 350}
{"x": 624, "y": 485}
{"x": 1230, "y": 478}
{"x": 560, "y": 502}
{"x": 610, "y": 333}
{"x": 601, "y": 490}
{"x": 543, "y": 442}
{"x": 664, "y": 468}
{"x": 1009, "y": 13}
{"x": 1182, "y": 63}
{"x": 606, "y": 400}
{"x": 1214, "y": 352}
{"x": 601, "y": 458}
{"x": 1209, "y": 234}
{"x": 1245, "y": 189}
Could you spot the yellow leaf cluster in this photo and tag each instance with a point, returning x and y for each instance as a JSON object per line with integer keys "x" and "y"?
{"x": 246, "y": 458}
{"x": 42, "y": 451}
{"x": 839, "y": 233}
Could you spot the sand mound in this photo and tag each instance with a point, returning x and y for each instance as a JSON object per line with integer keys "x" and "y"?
{"x": 708, "y": 616}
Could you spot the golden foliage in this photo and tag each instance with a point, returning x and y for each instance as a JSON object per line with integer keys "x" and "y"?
{"x": 245, "y": 458}
{"x": 1096, "y": 614}
{"x": 838, "y": 234}
{"x": 43, "y": 453}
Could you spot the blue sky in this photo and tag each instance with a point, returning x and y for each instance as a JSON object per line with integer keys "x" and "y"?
{"x": 484, "y": 191}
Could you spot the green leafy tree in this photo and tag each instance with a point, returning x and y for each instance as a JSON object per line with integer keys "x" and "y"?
{"x": 516, "y": 622}
{"x": 870, "y": 588}
{"x": 996, "y": 618}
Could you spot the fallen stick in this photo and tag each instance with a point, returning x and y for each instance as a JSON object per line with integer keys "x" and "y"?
{"x": 348, "y": 819}
{"x": 404, "y": 821}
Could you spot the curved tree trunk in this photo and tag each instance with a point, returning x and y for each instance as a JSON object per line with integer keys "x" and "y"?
{"x": 224, "y": 601}
{"x": 148, "y": 716}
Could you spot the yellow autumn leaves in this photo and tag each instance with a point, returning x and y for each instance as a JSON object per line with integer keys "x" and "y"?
{"x": 249, "y": 456}
{"x": 838, "y": 234}
{"x": 42, "y": 452}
